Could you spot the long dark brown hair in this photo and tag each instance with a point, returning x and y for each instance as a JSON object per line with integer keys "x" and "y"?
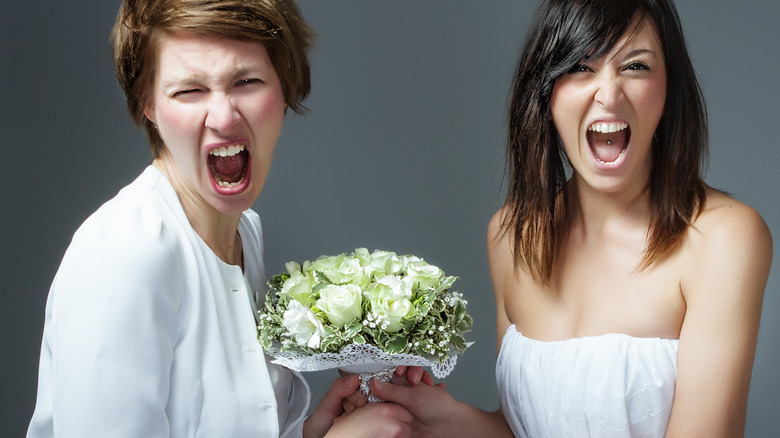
{"x": 563, "y": 33}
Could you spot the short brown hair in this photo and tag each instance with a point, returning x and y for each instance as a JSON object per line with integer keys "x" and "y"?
{"x": 277, "y": 24}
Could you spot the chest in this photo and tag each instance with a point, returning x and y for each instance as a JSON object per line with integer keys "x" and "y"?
{"x": 599, "y": 290}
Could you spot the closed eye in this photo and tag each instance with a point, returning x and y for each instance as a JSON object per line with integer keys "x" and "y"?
{"x": 186, "y": 92}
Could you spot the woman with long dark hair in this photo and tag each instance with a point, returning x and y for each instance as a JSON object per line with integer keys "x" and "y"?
{"x": 628, "y": 292}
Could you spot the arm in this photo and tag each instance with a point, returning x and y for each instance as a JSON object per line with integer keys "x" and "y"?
{"x": 501, "y": 263}
{"x": 730, "y": 252}
{"x": 436, "y": 413}
{"x": 112, "y": 328}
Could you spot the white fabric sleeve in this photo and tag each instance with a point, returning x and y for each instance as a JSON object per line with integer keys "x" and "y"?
{"x": 114, "y": 327}
{"x": 300, "y": 399}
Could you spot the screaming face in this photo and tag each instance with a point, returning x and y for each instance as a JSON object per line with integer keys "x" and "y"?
{"x": 606, "y": 112}
{"x": 218, "y": 106}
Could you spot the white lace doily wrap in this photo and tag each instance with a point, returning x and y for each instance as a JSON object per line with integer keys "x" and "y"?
{"x": 360, "y": 359}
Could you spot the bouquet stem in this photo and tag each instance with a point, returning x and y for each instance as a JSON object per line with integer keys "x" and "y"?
{"x": 366, "y": 378}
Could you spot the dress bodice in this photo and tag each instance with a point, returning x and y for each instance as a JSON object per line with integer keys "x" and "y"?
{"x": 611, "y": 385}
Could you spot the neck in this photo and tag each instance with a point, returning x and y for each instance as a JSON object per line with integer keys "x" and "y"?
{"x": 597, "y": 213}
{"x": 219, "y": 231}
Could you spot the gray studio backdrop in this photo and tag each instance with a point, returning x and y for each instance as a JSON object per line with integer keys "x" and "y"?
{"x": 402, "y": 150}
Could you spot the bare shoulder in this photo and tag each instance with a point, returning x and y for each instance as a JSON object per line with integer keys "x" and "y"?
{"x": 727, "y": 241}
{"x": 730, "y": 224}
{"x": 502, "y": 267}
{"x": 496, "y": 227}
{"x": 499, "y": 239}
{"x": 499, "y": 251}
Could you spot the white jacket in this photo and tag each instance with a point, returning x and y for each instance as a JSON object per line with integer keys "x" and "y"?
{"x": 149, "y": 334}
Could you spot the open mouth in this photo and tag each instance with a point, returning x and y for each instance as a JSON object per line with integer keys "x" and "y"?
{"x": 228, "y": 165}
{"x": 608, "y": 140}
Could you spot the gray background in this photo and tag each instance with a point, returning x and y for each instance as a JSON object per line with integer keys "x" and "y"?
{"x": 402, "y": 150}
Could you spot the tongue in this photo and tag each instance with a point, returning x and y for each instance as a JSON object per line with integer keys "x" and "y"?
{"x": 229, "y": 169}
{"x": 607, "y": 147}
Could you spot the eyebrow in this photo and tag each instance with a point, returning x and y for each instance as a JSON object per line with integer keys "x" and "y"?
{"x": 637, "y": 52}
{"x": 185, "y": 81}
{"x": 193, "y": 79}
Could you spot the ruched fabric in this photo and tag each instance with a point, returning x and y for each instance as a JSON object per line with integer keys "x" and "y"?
{"x": 611, "y": 385}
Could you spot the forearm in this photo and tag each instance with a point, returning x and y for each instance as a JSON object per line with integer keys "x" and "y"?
{"x": 469, "y": 421}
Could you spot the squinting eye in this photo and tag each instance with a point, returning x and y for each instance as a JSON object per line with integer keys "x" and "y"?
{"x": 185, "y": 92}
{"x": 249, "y": 81}
{"x": 579, "y": 68}
{"x": 637, "y": 66}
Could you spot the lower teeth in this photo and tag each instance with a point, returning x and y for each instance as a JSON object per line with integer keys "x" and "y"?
{"x": 228, "y": 185}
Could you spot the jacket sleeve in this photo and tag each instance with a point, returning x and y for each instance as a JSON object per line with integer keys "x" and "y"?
{"x": 113, "y": 326}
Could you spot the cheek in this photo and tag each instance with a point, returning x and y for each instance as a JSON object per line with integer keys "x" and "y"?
{"x": 270, "y": 109}
{"x": 174, "y": 122}
{"x": 567, "y": 116}
{"x": 266, "y": 115}
{"x": 653, "y": 98}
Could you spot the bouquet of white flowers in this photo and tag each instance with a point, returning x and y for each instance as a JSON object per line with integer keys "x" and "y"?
{"x": 364, "y": 312}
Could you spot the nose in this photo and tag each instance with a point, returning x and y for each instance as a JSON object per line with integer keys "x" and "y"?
{"x": 222, "y": 114}
{"x": 610, "y": 90}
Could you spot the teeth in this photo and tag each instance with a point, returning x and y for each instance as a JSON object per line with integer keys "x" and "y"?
{"x": 607, "y": 128}
{"x": 227, "y": 151}
{"x": 228, "y": 185}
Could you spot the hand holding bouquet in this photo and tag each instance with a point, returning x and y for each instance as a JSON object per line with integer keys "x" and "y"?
{"x": 364, "y": 310}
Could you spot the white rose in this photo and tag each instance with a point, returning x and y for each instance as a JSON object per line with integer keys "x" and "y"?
{"x": 341, "y": 269}
{"x": 406, "y": 259}
{"x": 341, "y": 303}
{"x": 301, "y": 322}
{"x": 298, "y": 287}
{"x": 292, "y": 267}
{"x": 423, "y": 274}
{"x": 400, "y": 286}
{"x": 385, "y": 262}
{"x": 393, "y": 306}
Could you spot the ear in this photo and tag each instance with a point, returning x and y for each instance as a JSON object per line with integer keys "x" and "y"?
{"x": 149, "y": 113}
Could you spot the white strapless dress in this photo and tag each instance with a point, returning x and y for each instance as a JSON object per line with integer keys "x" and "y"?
{"x": 612, "y": 385}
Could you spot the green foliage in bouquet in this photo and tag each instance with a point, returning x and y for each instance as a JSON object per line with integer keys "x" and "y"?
{"x": 400, "y": 304}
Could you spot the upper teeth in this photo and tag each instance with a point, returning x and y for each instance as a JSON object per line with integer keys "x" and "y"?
{"x": 608, "y": 127}
{"x": 227, "y": 151}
